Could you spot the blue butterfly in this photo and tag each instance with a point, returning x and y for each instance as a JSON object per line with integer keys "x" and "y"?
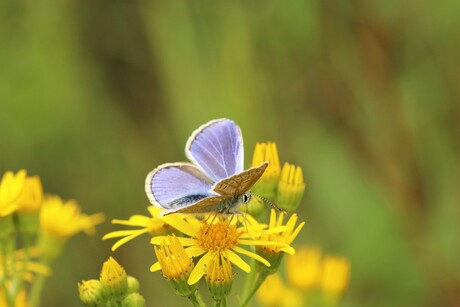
{"x": 215, "y": 181}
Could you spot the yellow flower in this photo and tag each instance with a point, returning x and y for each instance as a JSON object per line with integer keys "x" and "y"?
{"x": 266, "y": 185}
{"x": 336, "y": 274}
{"x": 290, "y": 187}
{"x": 31, "y": 196}
{"x": 175, "y": 264}
{"x": 11, "y": 188}
{"x": 222, "y": 237}
{"x": 153, "y": 225}
{"x": 59, "y": 221}
{"x": 114, "y": 279}
{"x": 271, "y": 292}
{"x": 280, "y": 241}
{"x": 64, "y": 219}
{"x": 20, "y": 301}
{"x": 304, "y": 268}
{"x": 29, "y": 204}
{"x": 219, "y": 277}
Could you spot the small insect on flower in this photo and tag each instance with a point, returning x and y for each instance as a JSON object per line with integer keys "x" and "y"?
{"x": 215, "y": 181}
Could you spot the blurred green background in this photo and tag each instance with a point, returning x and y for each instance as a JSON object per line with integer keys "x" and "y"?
{"x": 364, "y": 95}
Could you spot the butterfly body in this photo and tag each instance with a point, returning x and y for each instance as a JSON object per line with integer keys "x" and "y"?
{"x": 215, "y": 181}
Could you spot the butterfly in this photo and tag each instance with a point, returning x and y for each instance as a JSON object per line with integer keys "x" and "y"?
{"x": 215, "y": 181}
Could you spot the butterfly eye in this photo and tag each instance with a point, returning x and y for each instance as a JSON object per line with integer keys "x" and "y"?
{"x": 246, "y": 198}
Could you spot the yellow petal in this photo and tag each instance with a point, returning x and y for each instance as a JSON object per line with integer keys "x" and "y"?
{"x": 155, "y": 267}
{"x": 183, "y": 241}
{"x": 295, "y": 233}
{"x": 127, "y": 239}
{"x": 198, "y": 271}
{"x": 122, "y": 233}
{"x": 235, "y": 259}
{"x": 180, "y": 224}
{"x": 194, "y": 251}
{"x": 135, "y": 220}
{"x": 251, "y": 254}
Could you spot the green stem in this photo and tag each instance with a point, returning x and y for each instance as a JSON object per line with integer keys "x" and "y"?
{"x": 220, "y": 303}
{"x": 250, "y": 279}
{"x": 20, "y": 276}
{"x": 36, "y": 290}
{"x": 255, "y": 286}
{"x": 7, "y": 247}
{"x": 196, "y": 300}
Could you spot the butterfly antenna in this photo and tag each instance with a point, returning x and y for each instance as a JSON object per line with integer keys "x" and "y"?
{"x": 271, "y": 203}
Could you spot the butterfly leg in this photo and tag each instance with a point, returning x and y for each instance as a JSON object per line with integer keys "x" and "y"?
{"x": 212, "y": 221}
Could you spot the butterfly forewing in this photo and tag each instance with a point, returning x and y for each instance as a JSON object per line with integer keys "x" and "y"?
{"x": 217, "y": 147}
{"x": 176, "y": 185}
{"x": 240, "y": 183}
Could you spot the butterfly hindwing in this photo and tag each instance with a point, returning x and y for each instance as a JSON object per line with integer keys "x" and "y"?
{"x": 217, "y": 148}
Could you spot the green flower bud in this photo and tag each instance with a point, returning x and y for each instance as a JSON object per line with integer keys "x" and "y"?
{"x": 133, "y": 285}
{"x": 133, "y": 300}
{"x": 114, "y": 279}
{"x": 290, "y": 187}
{"x": 91, "y": 292}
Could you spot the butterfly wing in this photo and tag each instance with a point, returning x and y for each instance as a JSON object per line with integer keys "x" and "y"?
{"x": 240, "y": 183}
{"x": 217, "y": 148}
{"x": 173, "y": 186}
{"x": 205, "y": 205}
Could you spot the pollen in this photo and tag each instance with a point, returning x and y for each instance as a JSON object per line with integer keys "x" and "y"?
{"x": 218, "y": 237}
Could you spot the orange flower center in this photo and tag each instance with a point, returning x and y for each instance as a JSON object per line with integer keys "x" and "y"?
{"x": 218, "y": 237}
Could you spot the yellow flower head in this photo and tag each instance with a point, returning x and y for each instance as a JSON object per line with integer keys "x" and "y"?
{"x": 31, "y": 196}
{"x": 175, "y": 264}
{"x": 266, "y": 185}
{"x": 222, "y": 237}
{"x": 11, "y": 188}
{"x": 219, "y": 276}
{"x": 336, "y": 274}
{"x": 172, "y": 259}
{"x": 64, "y": 219}
{"x": 280, "y": 240}
{"x": 153, "y": 225}
{"x": 304, "y": 268}
{"x": 290, "y": 187}
{"x": 271, "y": 292}
{"x": 114, "y": 279}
